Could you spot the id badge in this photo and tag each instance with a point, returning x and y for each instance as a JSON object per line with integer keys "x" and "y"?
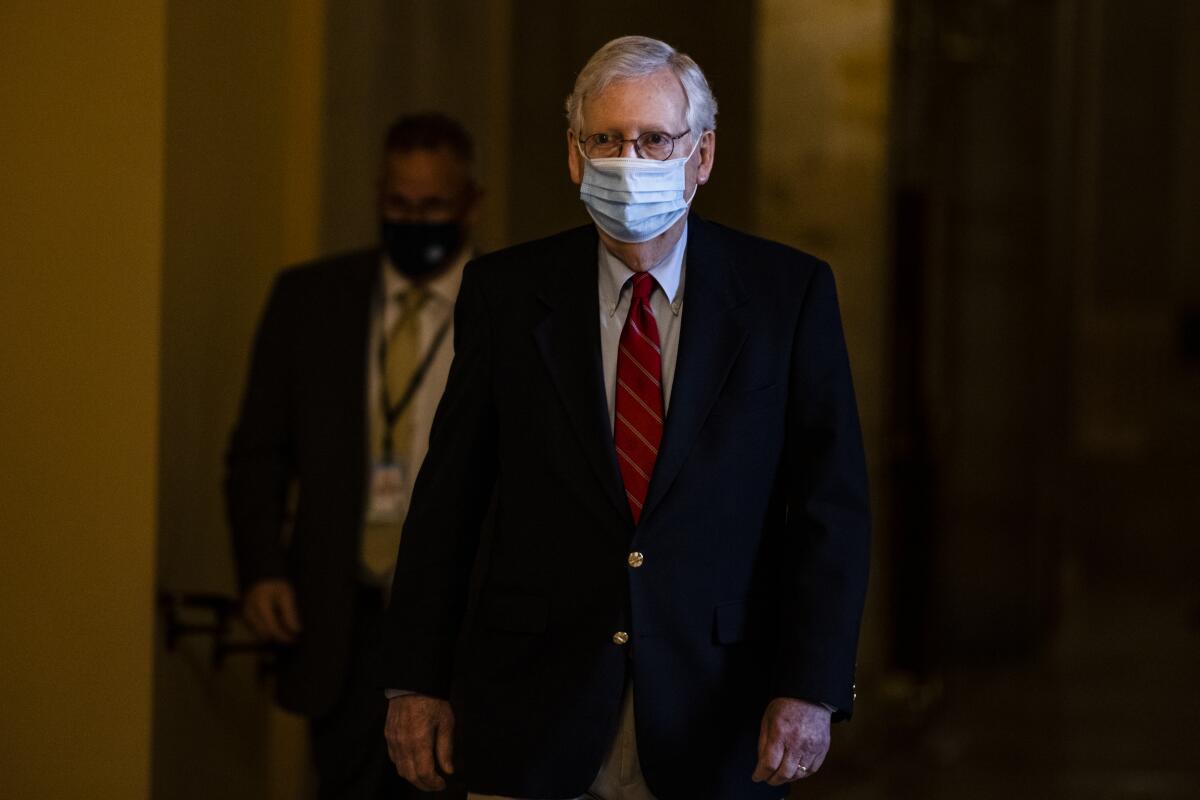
{"x": 388, "y": 495}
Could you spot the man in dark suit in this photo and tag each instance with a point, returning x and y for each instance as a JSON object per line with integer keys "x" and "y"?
{"x": 349, "y": 362}
{"x": 662, "y": 410}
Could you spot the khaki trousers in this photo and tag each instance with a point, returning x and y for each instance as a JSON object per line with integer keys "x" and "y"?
{"x": 620, "y": 776}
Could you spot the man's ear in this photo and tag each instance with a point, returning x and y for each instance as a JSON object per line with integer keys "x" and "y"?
{"x": 574, "y": 159}
{"x": 708, "y": 154}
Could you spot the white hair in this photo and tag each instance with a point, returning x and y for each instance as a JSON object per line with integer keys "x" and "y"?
{"x": 636, "y": 57}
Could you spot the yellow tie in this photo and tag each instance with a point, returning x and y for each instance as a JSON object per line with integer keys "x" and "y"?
{"x": 403, "y": 356}
{"x": 382, "y": 539}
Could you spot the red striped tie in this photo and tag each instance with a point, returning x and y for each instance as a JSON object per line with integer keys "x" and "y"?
{"x": 638, "y": 427}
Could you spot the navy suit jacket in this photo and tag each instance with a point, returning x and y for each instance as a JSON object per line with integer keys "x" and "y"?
{"x": 755, "y": 529}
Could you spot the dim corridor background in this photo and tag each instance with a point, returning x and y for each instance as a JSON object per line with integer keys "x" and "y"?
{"x": 1008, "y": 192}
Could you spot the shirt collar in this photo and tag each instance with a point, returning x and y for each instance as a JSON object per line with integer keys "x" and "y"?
{"x": 444, "y": 287}
{"x": 668, "y": 273}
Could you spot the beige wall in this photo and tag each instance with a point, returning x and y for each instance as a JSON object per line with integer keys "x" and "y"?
{"x": 81, "y": 126}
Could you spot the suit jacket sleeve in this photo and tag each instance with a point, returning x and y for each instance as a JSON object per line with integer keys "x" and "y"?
{"x": 259, "y": 461}
{"x": 827, "y": 533}
{"x": 450, "y": 499}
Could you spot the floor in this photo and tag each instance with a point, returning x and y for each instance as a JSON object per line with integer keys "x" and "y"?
{"x": 1111, "y": 711}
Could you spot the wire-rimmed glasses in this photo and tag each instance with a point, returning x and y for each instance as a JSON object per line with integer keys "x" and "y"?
{"x": 654, "y": 145}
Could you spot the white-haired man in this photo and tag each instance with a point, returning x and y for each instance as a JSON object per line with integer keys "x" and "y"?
{"x": 662, "y": 410}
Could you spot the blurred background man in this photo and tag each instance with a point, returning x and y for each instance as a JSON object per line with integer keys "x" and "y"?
{"x": 350, "y": 359}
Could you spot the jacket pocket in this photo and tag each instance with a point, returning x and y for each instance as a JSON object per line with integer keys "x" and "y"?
{"x": 514, "y": 613}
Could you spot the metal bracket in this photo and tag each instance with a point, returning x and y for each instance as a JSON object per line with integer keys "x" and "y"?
{"x": 211, "y": 615}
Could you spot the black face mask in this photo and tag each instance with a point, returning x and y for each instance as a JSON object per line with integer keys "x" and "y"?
{"x": 419, "y": 249}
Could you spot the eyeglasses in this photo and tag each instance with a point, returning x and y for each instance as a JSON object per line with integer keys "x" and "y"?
{"x": 655, "y": 145}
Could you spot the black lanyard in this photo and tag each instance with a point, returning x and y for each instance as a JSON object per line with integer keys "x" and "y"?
{"x": 392, "y": 413}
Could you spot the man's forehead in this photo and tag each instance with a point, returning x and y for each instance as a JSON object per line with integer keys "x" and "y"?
{"x": 427, "y": 169}
{"x": 656, "y": 100}
{"x": 425, "y": 160}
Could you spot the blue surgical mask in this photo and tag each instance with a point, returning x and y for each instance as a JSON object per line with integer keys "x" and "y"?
{"x": 635, "y": 199}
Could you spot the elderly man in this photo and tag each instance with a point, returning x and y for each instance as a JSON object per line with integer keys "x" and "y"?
{"x": 662, "y": 410}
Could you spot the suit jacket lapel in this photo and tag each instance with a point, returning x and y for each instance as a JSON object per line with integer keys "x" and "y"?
{"x": 712, "y": 336}
{"x": 569, "y": 341}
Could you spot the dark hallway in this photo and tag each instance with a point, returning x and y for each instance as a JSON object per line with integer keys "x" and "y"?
{"x": 1043, "y": 446}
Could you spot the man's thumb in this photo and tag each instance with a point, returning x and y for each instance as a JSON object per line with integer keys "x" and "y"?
{"x": 445, "y": 744}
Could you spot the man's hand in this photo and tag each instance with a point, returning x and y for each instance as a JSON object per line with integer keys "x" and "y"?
{"x": 419, "y": 728}
{"x": 792, "y": 742}
{"x": 269, "y": 608}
